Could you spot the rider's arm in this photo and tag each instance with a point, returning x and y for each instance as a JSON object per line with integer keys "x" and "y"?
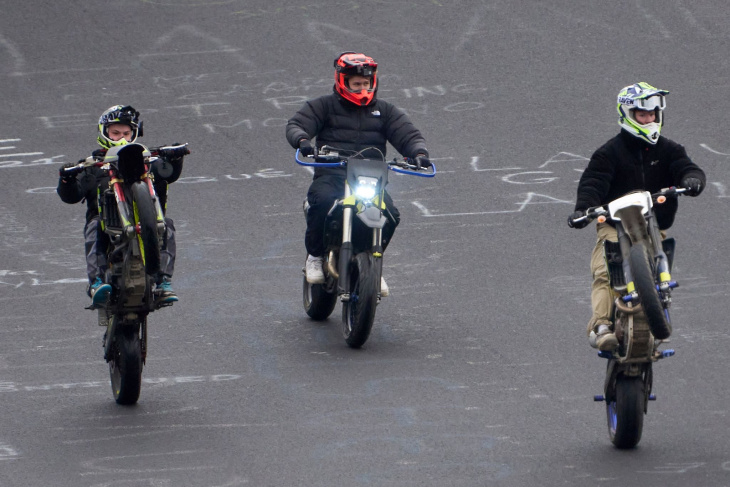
{"x": 401, "y": 133}
{"x": 72, "y": 189}
{"x": 595, "y": 182}
{"x": 682, "y": 167}
{"x": 307, "y": 122}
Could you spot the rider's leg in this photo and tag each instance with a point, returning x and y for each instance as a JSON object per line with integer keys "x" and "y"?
{"x": 322, "y": 194}
{"x": 602, "y": 295}
{"x": 95, "y": 244}
{"x": 164, "y": 292}
{"x": 393, "y": 216}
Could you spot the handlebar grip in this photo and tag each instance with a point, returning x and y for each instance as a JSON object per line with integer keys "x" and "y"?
{"x": 173, "y": 152}
{"x": 71, "y": 170}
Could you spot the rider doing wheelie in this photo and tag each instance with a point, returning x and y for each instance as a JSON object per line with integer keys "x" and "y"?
{"x": 120, "y": 125}
{"x": 638, "y": 158}
{"x": 350, "y": 119}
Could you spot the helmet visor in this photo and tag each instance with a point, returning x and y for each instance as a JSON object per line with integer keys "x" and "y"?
{"x": 651, "y": 103}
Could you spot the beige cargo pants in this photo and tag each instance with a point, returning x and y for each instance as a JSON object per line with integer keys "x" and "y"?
{"x": 602, "y": 296}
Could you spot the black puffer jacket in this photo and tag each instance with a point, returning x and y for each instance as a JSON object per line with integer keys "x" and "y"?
{"x": 339, "y": 123}
{"x": 626, "y": 163}
{"x": 85, "y": 184}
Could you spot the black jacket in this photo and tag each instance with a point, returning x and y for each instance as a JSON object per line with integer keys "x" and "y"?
{"x": 626, "y": 163}
{"x": 87, "y": 184}
{"x": 339, "y": 123}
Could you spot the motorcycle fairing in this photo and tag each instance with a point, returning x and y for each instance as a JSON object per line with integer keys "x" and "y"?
{"x": 640, "y": 199}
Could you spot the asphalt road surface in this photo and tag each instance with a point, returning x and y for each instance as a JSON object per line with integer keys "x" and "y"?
{"x": 478, "y": 371}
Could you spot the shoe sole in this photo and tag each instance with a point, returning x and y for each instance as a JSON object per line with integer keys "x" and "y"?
{"x": 608, "y": 344}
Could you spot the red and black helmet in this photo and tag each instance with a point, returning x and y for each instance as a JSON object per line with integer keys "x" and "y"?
{"x": 350, "y": 64}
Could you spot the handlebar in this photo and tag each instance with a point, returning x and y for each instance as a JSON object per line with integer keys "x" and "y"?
{"x": 327, "y": 159}
{"x": 74, "y": 170}
{"x": 602, "y": 210}
{"x": 173, "y": 151}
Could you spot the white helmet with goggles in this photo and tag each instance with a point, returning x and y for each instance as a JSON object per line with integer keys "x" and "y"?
{"x": 641, "y": 96}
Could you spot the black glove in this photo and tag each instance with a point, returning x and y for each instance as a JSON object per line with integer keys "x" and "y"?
{"x": 305, "y": 147}
{"x": 422, "y": 162}
{"x": 173, "y": 152}
{"x": 67, "y": 175}
{"x": 693, "y": 185}
{"x": 579, "y": 224}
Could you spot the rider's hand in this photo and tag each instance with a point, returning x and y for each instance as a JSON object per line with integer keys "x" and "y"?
{"x": 65, "y": 176}
{"x": 305, "y": 147}
{"x": 579, "y": 224}
{"x": 173, "y": 152}
{"x": 693, "y": 185}
{"x": 422, "y": 161}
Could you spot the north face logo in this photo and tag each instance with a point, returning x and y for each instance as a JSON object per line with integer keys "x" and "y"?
{"x": 376, "y": 113}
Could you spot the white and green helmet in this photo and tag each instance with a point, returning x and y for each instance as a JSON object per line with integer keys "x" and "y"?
{"x": 641, "y": 96}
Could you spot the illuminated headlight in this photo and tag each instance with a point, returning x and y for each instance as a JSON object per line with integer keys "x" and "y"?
{"x": 366, "y": 188}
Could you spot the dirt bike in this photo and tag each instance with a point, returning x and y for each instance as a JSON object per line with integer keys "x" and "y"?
{"x": 639, "y": 266}
{"x": 133, "y": 220}
{"x": 353, "y": 260}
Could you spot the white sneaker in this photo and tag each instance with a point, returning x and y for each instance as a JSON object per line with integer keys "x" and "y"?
{"x": 313, "y": 270}
{"x": 384, "y": 291}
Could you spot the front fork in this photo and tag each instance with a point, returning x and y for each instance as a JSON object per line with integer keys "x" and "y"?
{"x": 345, "y": 257}
{"x": 661, "y": 261}
{"x": 343, "y": 282}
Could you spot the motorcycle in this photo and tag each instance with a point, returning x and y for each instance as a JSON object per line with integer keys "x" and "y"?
{"x": 132, "y": 218}
{"x": 353, "y": 260}
{"x": 639, "y": 266}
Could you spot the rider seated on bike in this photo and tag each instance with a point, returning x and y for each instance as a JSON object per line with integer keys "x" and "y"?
{"x": 350, "y": 119}
{"x": 637, "y": 159}
{"x": 118, "y": 125}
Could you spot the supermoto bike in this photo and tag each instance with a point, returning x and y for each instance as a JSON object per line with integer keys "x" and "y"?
{"x": 353, "y": 260}
{"x": 639, "y": 266}
{"x": 133, "y": 220}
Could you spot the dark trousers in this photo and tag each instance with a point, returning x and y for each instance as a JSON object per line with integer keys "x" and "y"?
{"x": 323, "y": 192}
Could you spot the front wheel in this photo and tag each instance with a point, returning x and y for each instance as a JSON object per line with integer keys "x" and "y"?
{"x": 648, "y": 294}
{"x": 359, "y": 312}
{"x": 626, "y": 412}
{"x": 125, "y": 367}
{"x": 145, "y": 214}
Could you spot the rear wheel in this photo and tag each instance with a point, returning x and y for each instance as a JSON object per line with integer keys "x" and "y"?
{"x": 125, "y": 367}
{"x": 146, "y": 216}
{"x": 645, "y": 283}
{"x": 359, "y": 312}
{"x": 625, "y": 413}
{"x": 318, "y": 303}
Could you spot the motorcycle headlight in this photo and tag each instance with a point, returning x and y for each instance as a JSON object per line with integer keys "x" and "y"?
{"x": 366, "y": 188}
